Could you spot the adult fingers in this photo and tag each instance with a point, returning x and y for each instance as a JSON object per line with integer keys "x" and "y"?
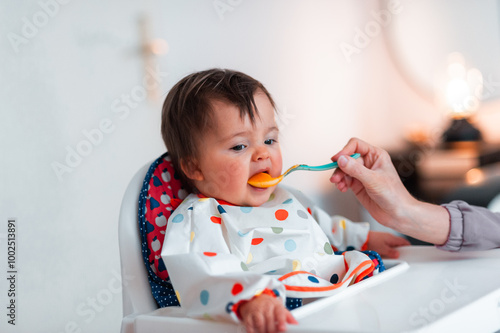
{"x": 356, "y": 170}
{"x": 354, "y": 145}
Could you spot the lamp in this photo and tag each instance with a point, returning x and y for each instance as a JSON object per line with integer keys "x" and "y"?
{"x": 463, "y": 91}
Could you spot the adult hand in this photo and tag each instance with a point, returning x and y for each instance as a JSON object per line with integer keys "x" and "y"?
{"x": 376, "y": 184}
{"x": 373, "y": 180}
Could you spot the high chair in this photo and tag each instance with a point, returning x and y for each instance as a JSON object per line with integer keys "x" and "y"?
{"x": 145, "y": 209}
{"x": 154, "y": 185}
{"x": 136, "y": 292}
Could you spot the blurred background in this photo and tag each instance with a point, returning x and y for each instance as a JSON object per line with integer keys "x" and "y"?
{"x": 82, "y": 84}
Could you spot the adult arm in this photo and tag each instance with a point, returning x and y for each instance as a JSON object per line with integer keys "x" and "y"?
{"x": 472, "y": 228}
{"x": 376, "y": 184}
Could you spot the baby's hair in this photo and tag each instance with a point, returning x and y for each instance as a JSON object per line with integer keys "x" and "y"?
{"x": 187, "y": 110}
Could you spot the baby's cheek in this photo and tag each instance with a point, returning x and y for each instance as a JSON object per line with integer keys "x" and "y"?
{"x": 235, "y": 169}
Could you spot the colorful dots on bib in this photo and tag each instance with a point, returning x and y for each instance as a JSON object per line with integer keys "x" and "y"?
{"x": 257, "y": 241}
{"x": 296, "y": 265}
{"x": 302, "y": 214}
{"x": 313, "y": 279}
{"x": 216, "y": 219}
{"x": 204, "y": 296}
{"x": 191, "y": 237}
{"x": 221, "y": 209}
{"x": 288, "y": 201}
{"x": 334, "y": 279}
{"x": 277, "y": 230}
{"x": 210, "y": 254}
{"x": 342, "y": 224}
{"x": 281, "y": 214}
{"x": 290, "y": 245}
{"x": 229, "y": 307}
{"x": 178, "y": 218}
{"x": 328, "y": 248}
{"x": 242, "y": 234}
{"x": 246, "y": 210}
{"x": 237, "y": 288}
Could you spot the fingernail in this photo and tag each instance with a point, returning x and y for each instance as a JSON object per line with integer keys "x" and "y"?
{"x": 342, "y": 161}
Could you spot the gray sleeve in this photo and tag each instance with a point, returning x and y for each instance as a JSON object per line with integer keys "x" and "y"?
{"x": 471, "y": 228}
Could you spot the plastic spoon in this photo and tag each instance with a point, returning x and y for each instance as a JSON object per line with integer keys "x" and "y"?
{"x": 264, "y": 180}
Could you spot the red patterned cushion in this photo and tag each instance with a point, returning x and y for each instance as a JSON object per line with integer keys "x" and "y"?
{"x": 164, "y": 193}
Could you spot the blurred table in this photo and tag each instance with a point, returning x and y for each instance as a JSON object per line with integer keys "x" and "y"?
{"x": 433, "y": 173}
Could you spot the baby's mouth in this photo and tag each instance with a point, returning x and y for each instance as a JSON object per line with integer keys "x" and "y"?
{"x": 263, "y": 180}
{"x": 257, "y": 173}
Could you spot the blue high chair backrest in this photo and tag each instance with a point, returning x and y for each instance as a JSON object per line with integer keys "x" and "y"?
{"x": 161, "y": 192}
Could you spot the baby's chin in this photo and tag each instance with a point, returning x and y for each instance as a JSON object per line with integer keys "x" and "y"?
{"x": 252, "y": 197}
{"x": 247, "y": 202}
{"x": 256, "y": 201}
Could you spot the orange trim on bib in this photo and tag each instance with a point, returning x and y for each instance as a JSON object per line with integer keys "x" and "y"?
{"x": 366, "y": 267}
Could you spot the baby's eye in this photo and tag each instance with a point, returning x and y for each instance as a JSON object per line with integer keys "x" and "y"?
{"x": 270, "y": 141}
{"x": 238, "y": 147}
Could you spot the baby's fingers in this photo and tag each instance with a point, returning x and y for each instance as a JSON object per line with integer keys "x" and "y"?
{"x": 271, "y": 321}
{"x": 280, "y": 315}
{"x": 399, "y": 241}
{"x": 257, "y": 323}
{"x": 283, "y": 317}
{"x": 290, "y": 319}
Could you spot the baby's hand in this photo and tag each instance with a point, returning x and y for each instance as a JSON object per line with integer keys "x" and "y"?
{"x": 385, "y": 243}
{"x": 265, "y": 314}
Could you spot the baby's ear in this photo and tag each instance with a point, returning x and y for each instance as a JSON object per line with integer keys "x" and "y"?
{"x": 191, "y": 169}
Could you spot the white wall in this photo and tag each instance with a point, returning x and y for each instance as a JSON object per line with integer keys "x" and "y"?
{"x": 58, "y": 83}
{"x": 69, "y": 77}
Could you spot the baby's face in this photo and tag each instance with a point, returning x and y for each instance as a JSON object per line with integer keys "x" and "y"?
{"x": 234, "y": 150}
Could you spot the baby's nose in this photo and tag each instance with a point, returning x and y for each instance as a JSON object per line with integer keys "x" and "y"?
{"x": 261, "y": 154}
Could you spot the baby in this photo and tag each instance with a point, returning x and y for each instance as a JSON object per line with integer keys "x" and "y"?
{"x": 236, "y": 251}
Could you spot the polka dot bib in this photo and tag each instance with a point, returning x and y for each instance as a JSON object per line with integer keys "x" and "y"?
{"x": 219, "y": 254}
